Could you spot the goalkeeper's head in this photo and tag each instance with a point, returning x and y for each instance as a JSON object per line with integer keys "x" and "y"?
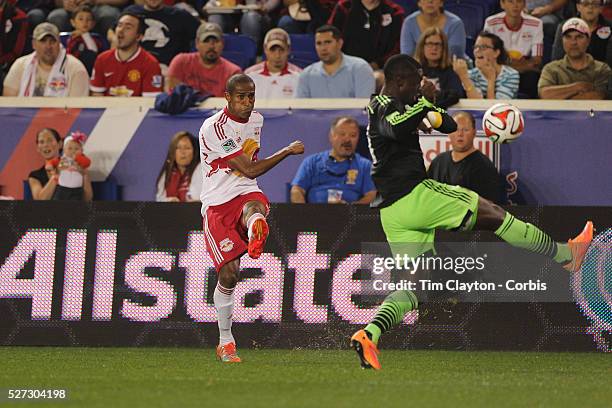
{"x": 403, "y": 76}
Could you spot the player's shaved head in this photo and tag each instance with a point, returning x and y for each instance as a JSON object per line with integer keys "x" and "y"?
{"x": 235, "y": 80}
{"x": 402, "y": 66}
{"x": 403, "y": 76}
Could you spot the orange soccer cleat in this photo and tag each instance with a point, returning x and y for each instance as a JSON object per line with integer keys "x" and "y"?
{"x": 366, "y": 350}
{"x": 227, "y": 353}
{"x": 259, "y": 234}
{"x": 579, "y": 246}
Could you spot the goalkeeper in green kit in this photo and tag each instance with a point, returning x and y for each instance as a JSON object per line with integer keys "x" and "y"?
{"x": 413, "y": 206}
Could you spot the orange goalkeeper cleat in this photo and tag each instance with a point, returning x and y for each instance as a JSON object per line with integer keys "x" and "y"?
{"x": 366, "y": 350}
{"x": 259, "y": 234}
{"x": 227, "y": 353}
{"x": 579, "y": 246}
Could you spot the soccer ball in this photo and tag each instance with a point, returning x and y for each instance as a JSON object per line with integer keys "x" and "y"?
{"x": 503, "y": 123}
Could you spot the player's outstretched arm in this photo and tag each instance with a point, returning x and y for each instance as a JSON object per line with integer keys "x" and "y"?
{"x": 253, "y": 169}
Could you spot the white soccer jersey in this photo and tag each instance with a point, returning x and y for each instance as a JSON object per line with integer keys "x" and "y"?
{"x": 527, "y": 41}
{"x": 280, "y": 85}
{"x": 222, "y": 137}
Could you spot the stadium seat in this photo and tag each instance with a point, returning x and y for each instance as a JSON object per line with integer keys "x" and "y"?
{"x": 469, "y": 46}
{"x": 303, "y": 52}
{"x": 64, "y": 37}
{"x": 238, "y": 58}
{"x": 240, "y": 49}
{"x": 490, "y": 7}
{"x": 102, "y": 191}
{"x": 472, "y": 14}
{"x": 302, "y": 59}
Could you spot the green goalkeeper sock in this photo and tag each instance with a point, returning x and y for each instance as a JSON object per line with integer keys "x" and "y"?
{"x": 391, "y": 312}
{"x": 527, "y": 236}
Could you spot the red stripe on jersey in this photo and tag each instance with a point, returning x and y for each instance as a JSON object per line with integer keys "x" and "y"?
{"x": 218, "y": 125}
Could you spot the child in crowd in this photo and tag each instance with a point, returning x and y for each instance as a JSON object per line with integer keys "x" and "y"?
{"x": 71, "y": 169}
{"x": 82, "y": 44}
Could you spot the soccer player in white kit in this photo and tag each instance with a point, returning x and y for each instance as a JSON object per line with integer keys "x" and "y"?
{"x": 233, "y": 207}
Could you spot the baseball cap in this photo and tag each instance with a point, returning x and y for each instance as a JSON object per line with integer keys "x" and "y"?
{"x": 209, "y": 30}
{"x": 277, "y": 36}
{"x": 44, "y": 29}
{"x": 577, "y": 24}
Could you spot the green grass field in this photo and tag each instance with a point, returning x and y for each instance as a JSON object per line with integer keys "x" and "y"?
{"x": 118, "y": 377}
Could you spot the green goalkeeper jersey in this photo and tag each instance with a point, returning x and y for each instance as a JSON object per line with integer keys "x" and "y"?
{"x": 393, "y": 140}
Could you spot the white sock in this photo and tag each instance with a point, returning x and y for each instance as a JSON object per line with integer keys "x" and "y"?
{"x": 224, "y": 303}
{"x": 250, "y": 222}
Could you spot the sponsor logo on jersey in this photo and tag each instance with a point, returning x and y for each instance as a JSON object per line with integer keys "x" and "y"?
{"x": 229, "y": 145}
{"x": 226, "y": 245}
{"x": 133, "y": 75}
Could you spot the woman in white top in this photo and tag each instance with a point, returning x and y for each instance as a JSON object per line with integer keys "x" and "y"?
{"x": 180, "y": 178}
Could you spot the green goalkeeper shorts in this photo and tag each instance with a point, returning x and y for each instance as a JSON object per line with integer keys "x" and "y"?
{"x": 410, "y": 222}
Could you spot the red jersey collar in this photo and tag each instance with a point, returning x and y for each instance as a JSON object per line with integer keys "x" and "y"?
{"x": 511, "y": 29}
{"x": 234, "y": 117}
{"x": 132, "y": 58}
{"x": 266, "y": 72}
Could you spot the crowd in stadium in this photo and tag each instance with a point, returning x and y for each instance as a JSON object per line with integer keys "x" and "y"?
{"x": 549, "y": 49}
{"x": 470, "y": 49}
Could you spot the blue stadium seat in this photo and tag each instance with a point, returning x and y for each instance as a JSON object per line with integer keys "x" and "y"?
{"x": 469, "y": 46}
{"x": 490, "y": 7}
{"x": 64, "y": 37}
{"x": 303, "y": 51}
{"x": 240, "y": 44}
{"x": 102, "y": 191}
{"x": 302, "y": 59}
{"x": 303, "y": 42}
{"x": 238, "y": 58}
{"x": 472, "y": 15}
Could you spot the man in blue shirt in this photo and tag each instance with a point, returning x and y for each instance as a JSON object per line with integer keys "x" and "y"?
{"x": 338, "y": 175}
{"x": 337, "y": 75}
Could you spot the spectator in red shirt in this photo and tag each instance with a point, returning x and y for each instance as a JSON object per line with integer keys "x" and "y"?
{"x": 13, "y": 34}
{"x": 204, "y": 70}
{"x": 127, "y": 70}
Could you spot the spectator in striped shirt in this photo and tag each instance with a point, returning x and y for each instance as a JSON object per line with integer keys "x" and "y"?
{"x": 491, "y": 78}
